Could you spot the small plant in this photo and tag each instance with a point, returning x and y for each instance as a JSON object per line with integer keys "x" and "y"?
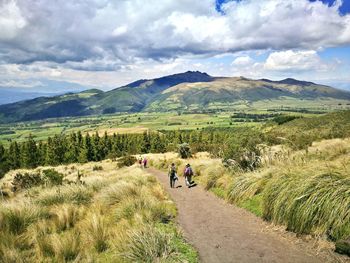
{"x": 126, "y": 161}
{"x": 184, "y": 150}
{"x": 97, "y": 168}
{"x": 52, "y": 177}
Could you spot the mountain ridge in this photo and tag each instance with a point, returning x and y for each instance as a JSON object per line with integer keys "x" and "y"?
{"x": 191, "y": 90}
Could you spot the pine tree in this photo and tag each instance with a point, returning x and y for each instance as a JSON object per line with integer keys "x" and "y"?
{"x": 14, "y": 156}
{"x": 4, "y": 166}
{"x": 72, "y": 152}
{"x": 29, "y": 153}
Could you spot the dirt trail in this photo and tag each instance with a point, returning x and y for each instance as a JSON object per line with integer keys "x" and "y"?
{"x": 225, "y": 233}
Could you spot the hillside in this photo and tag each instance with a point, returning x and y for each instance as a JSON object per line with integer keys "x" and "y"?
{"x": 189, "y": 91}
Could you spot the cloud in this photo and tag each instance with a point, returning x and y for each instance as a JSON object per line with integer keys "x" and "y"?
{"x": 295, "y": 61}
{"x": 242, "y": 61}
{"x": 81, "y": 34}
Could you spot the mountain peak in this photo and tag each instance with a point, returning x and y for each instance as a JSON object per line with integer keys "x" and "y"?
{"x": 292, "y": 81}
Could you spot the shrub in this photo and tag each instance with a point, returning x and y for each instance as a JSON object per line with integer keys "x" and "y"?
{"x": 284, "y": 118}
{"x": 26, "y": 180}
{"x": 52, "y": 177}
{"x": 97, "y": 168}
{"x": 126, "y": 161}
{"x": 184, "y": 150}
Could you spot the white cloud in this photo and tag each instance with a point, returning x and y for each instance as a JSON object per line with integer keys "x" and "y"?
{"x": 294, "y": 61}
{"x": 123, "y": 30}
{"x": 242, "y": 61}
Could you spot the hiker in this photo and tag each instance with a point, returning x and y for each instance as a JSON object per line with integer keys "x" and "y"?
{"x": 172, "y": 175}
{"x": 144, "y": 162}
{"x": 188, "y": 172}
{"x": 140, "y": 161}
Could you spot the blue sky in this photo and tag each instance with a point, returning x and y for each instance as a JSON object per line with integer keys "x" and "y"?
{"x": 106, "y": 44}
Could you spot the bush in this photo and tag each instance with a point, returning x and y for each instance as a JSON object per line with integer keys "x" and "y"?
{"x": 184, "y": 150}
{"x": 284, "y": 118}
{"x": 126, "y": 161}
{"x": 52, "y": 177}
{"x": 97, "y": 168}
{"x": 26, "y": 180}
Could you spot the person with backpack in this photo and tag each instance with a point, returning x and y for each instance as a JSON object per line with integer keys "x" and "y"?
{"x": 188, "y": 172}
{"x": 144, "y": 162}
{"x": 172, "y": 175}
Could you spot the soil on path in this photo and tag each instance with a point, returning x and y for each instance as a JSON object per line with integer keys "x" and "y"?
{"x": 224, "y": 233}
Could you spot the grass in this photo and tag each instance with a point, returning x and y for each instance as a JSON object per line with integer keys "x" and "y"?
{"x": 104, "y": 219}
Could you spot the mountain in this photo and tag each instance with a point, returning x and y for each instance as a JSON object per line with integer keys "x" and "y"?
{"x": 190, "y": 91}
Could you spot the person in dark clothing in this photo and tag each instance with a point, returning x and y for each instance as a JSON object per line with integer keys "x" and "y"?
{"x": 172, "y": 175}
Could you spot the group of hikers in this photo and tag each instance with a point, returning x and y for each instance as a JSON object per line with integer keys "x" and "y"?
{"x": 142, "y": 162}
{"x": 188, "y": 172}
{"x": 172, "y": 173}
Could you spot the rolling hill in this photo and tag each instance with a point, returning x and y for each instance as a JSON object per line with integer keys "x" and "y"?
{"x": 187, "y": 91}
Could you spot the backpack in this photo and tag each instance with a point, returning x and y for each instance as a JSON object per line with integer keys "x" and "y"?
{"x": 173, "y": 170}
{"x": 188, "y": 171}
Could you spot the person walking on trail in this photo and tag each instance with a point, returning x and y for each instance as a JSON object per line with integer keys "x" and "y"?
{"x": 172, "y": 175}
{"x": 145, "y": 162}
{"x": 140, "y": 161}
{"x": 188, "y": 172}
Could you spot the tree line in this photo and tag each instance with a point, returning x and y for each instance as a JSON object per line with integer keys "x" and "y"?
{"x": 77, "y": 147}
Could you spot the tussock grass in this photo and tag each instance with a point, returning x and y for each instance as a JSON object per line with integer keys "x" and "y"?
{"x": 97, "y": 232}
{"x": 16, "y": 217}
{"x": 318, "y": 204}
{"x": 75, "y": 194}
{"x": 149, "y": 244}
{"x": 66, "y": 216}
{"x": 66, "y": 247}
{"x": 100, "y": 220}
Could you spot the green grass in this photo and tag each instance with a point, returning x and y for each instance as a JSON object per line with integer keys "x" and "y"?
{"x": 253, "y": 204}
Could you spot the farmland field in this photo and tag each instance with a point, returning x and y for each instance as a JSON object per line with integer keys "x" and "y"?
{"x": 155, "y": 121}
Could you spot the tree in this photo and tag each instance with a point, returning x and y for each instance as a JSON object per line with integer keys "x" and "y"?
{"x": 29, "y": 153}
{"x": 4, "y": 167}
{"x": 14, "y": 156}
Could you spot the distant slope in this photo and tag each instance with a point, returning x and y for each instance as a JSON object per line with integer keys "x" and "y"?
{"x": 241, "y": 90}
{"x": 302, "y": 132}
{"x": 184, "y": 91}
{"x": 10, "y": 96}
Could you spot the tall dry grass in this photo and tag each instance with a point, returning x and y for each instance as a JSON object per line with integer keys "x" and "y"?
{"x": 99, "y": 220}
{"x": 307, "y": 191}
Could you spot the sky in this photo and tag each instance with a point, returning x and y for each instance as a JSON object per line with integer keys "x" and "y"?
{"x": 47, "y": 45}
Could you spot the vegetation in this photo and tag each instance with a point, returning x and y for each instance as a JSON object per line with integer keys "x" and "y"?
{"x": 112, "y": 216}
{"x": 308, "y": 192}
{"x": 290, "y": 171}
{"x": 184, "y": 151}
